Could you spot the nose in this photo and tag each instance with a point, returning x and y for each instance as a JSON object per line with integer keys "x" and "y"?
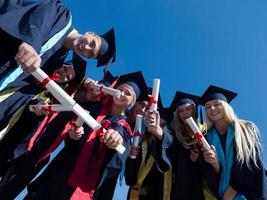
{"x": 212, "y": 107}
{"x": 87, "y": 47}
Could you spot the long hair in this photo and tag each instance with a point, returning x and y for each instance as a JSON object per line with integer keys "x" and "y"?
{"x": 247, "y": 139}
{"x": 133, "y": 92}
{"x": 179, "y": 128}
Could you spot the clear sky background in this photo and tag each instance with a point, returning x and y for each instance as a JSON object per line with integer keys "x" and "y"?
{"x": 188, "y": 44}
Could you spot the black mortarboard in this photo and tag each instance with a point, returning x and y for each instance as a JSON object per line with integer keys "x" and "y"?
{"x": 217, "y": 93}
{"x": 107, "y": 79}
{"x": 137, "y": 82}
{"x": 181, "y": 98}
{"x": 79, "y": 66}
{"x": 166, "y": 114}
{"x": 107, "y": 52}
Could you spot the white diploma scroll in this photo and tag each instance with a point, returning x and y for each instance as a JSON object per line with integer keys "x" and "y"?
{"x": 107, "y": 90}
{"x": 155, "y": 94}
{"x": 54, "y": 107}
{"x": 196, "y": 131}
{"x": 137, "y": 129}
{"x": 79, "y": 122}
{"x": 68, "y": 102}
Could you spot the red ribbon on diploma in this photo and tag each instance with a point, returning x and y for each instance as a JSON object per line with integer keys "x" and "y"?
{"x": 199, "y": 136}
{"x": 138, "y": 134}
{"x": 151, "y": 101}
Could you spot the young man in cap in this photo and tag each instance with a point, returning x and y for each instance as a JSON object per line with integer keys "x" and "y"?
{"x": 40, "y": 30}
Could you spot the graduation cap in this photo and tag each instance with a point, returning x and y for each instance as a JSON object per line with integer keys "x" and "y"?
{"x": 79, "y": 66}
{"x": 217, "y": 93}
{"x": 108, "y": 79}
{"x": 107, "y": 52}
{"x": 166, "y": 114}
{"x": 181, "y": 98}
{"x": 137, "y": 82}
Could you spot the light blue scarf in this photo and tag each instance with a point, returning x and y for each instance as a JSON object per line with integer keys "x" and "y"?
{"x": 225, "y": 160}
{"x": 15, "y": 73}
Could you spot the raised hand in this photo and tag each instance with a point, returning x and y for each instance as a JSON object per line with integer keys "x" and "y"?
{"x": 210, "y": 156}
{"x": 152, "y": 121}
{"x": 111, "y": 138}
{"x": 28, "y": 58}
{"x": 76, "y": 133}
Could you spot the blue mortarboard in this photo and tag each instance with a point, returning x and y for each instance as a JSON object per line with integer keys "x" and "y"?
{"x": 79, "y": 66}
{"x": 217, "y": 93}
{"x": 107, "y": 52}
{"x": 137, "y": 82}
{"x": 181, "y": 98}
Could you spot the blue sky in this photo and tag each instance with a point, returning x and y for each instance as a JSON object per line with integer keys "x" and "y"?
{"x": 188, "y": 44}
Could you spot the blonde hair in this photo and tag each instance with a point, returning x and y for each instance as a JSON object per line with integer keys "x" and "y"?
{"x": 247, "y": 139}
{"x": 179, "y": 128}
{"x": 132, "y": 90}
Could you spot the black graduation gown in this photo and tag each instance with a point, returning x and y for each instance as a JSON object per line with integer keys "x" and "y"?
{"x": 52, "y": 184}
{"x": 252, "y": 183}
{"x": 34, "y": 23}
{"x": 153, "y": 182}
{"x": 23, "y": 168}
{"x": 29, "y": 89}
{"x": 186, "y": 183}
{"x": 26, "y": 124}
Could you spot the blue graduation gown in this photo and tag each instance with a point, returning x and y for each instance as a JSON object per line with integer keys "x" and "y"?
{"x": 34, "y": 23}
{"x": 186, "y": 183}
{"x": 60, "y": 169}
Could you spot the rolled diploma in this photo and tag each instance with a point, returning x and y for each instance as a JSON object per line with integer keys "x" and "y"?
{"x": 137, "y": 128}
{"x": 54, "y": 107}
{"x": 196, "y": 130}
{"x": 155, "y": 94}
{"x": 107, "y": 90}
{"x": 53, "y": 87}
{"x": 67, "y": 101}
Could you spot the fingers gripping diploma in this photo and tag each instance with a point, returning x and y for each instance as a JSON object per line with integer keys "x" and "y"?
{"x": 28, "y": 58}
{"x": 134, "y": 150}
{"x": 76, "y": 133}
{"x": 152, "y": 121}
{"x": 38, "y": 110}
{"x": 210, "y": 156}
{"x": 112, "y": 138}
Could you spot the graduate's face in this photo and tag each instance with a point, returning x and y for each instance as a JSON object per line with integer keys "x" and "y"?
{"x": 128, "y": 96}
{"x": 139, "y": 108}
{"x": 65, "y": 73}
{"x": 88, "y": 45}
{"x": 185, "y": 111}
{"x": 214, "y": 110}
{"x": 162, "y": 122}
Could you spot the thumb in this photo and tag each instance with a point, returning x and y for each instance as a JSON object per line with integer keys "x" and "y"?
{"x": 213, "y": 148}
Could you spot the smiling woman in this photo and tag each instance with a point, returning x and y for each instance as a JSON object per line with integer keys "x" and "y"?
{"x": 236, "y": 154}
